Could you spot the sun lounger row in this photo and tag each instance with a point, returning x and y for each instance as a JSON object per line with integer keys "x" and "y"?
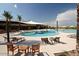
{"x": 51, "y": 40}
{"x": 15, "y": 39}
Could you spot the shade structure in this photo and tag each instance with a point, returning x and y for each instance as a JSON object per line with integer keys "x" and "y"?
{"x": 32, "y": 22}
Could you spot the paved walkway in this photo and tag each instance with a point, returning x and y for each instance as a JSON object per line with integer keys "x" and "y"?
{"x": 69, "y": 44}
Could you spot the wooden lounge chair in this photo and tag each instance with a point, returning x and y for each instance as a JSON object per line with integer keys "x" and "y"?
{"x": 23, "y": 49}
{"x": 5, "y": 38}
{"x": 45, "y": 40}
{"x": 11, "y": 48}
{"x": 57, "y": 39}
{"x": 51, "y": 40}
{"x": 16, "y": 39}
{"x": 35, "y": 48}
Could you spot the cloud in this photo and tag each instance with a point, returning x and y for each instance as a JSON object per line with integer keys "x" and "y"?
{"x": 15, "y": 5}
{"x": 68, "y": 17}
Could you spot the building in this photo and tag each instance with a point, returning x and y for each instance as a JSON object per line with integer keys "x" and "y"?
{"x": 14, "y": 26}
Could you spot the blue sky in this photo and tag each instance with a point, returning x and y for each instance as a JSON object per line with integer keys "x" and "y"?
{"x": 44, "y": 13}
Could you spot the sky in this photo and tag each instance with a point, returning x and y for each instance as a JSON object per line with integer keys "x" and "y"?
{"x": 48, "y": 13}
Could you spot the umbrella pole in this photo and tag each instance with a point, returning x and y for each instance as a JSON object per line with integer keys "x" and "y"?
{"x": 57, "y": 25}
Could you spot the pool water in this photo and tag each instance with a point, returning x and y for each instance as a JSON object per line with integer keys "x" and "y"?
{"x": 68, "y": 30}
{"x": 40, "y": 33}
{"x": 47, "y": 33}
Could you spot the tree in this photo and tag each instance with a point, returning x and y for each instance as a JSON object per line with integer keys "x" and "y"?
{"x": 19, "y": 18}
{"x": 8, "y": 17}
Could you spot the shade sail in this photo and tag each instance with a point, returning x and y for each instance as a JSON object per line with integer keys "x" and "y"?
{"x": 32, "y": 22}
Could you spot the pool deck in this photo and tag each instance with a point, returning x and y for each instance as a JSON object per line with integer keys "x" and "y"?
{"x": 70, "y": 44}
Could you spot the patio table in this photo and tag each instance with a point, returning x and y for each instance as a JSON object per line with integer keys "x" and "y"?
{"x": 23, "y": 42}
{"x": 28, "y": 43}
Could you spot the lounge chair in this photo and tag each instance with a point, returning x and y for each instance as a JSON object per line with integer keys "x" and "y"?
{"x": 35, "y": 48}
{"x": 51, "y": 40}
{"x": 45, "y": 40}
{"x": 57, "y": 39}
{"x": 16, "y": 39}
{"x": 5, "y": 38}
{"x": 11, "y": 48}
{"x": 48, "y": 41}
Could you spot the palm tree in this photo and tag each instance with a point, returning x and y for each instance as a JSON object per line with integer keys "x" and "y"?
{"x": 8, "y": 17}
{"x": 19, "y": 18}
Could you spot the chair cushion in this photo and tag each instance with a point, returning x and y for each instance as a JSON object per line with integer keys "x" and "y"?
{"x": 23, "y": 47}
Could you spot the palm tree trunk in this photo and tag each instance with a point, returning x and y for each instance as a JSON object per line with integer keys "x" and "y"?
{"x": 7, "y": 30}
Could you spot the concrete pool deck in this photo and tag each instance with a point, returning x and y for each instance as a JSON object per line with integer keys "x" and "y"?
{"x": 70, "y": 44}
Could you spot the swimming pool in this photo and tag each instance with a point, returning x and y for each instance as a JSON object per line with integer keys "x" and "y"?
{"x": 40, "y": 33}
{"x": 47, "y": 33}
